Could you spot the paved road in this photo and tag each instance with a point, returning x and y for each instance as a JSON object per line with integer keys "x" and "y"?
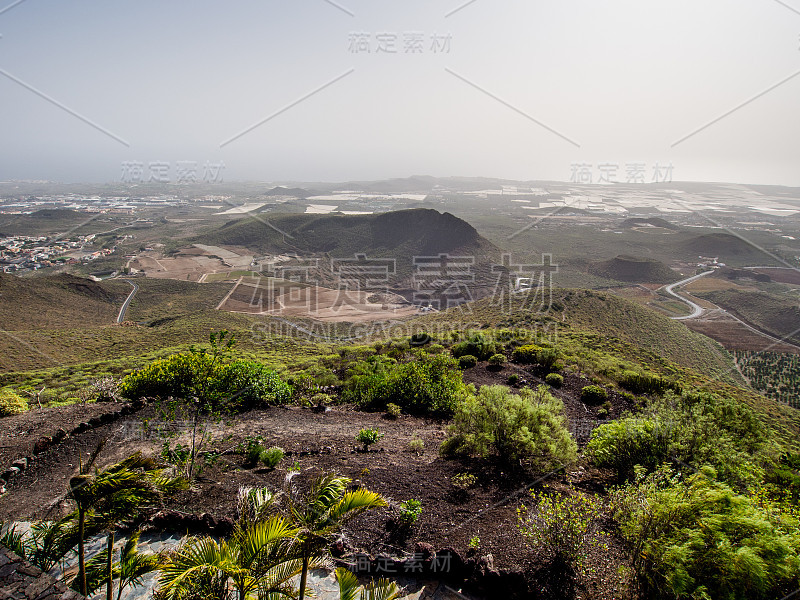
{"x": 697, "y": 310}
{"x": 127, "y": 302}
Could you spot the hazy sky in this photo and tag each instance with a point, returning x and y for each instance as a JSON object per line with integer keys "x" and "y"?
{"x": 622, "y": 79}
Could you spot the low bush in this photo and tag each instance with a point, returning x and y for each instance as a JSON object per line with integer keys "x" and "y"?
{"x": 105, "y": 389}
{"x": 554, "y": 380}
{"x": 594, "y": 394}
{"x": 467, "y": 362}
{"x": 463, "y": 481}
{"x": 694, "y": 429}
{"x": 417, "y": 446}
{"x": 527, "y": 427}
{"x": 526, "y": 355}
{"x": 240, "y": 385}
{"x": 431, "y": 384}
{"x": 11, "y": 403}
{"x": 393, "y": 411}
{"x": 477, "y": 345}
{"x": 368, "y": 437}
{"x": 497, "y": 361}
{"x": 246, "y": 384}
{"x": 563, "y": 525}
{"x": 644, "y": 383}
{"x": 697, "y": 538}
{"x": 547, "y": 357}
{"x": 410, "y": 510}
{"x": 624, "y": 444}
{"x": 513, "y": 379}
{"x": 533, "y": 354}
{"x": 271, "y": 457}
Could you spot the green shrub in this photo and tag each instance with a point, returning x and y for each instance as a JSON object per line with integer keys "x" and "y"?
{"x": 694, "y": 429}
{"x": 497, "y": 361}
{"x": 271, "y": 457}
{"x": 526, "y": 355}
{"x": 419, "y": 339}
{"x": 321, "y": 400}
{"x": 554, "y": 380}
{"x": 239, "y": 385}
{"x": 177, "y": 375}
{"x": 547, "y": 357}
{"x": 531, "y": 353}
{"x": 643, "y": 383}
{"x": 530, "y": 426}
{"x": 368, "y": 437}
{"x": 435, "y": 349}
{"x": 393, "y": 411}
{"x": 431, "y": 384}
{"x": 562, "y": 525}
{"x": 417, "y": 446}
{"x": 477, "y": 345}
{"x": 246, "y": 384}
{"x": 697, "y": 538}
{"x": 624, "y": 444}
{"x": 410, "y": 510}
{"x": 467, "y": 362}
{"x": 253, "y": 449}
{"x": 11, "y": 403}
{"x": 513, "y": 379}
{"x": 463, "y": 481}
{"x": 594, "y": 394}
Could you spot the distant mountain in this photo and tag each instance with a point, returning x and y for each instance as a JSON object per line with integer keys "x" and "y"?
{"x": 634, "y": 270}
{"x": 399, "y": 234}
{"x": 722, "y": 245}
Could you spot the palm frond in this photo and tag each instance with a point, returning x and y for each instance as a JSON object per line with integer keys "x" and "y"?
{"x": 13, "y": 540}
{"x": 133, "y": 565}
{"x": 198, "y": 557}
{"x": 383, "y": 589}
{"x": 325, "y": 492}
{"x": 261, "y": 539}
{"x": 353, "y": 504}
{"x": 96, "y": 573}
{"x": 254, "y": 504}
{"x": 348, "y": 584}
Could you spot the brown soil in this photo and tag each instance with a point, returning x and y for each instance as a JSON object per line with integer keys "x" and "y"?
{"x": 19, "y": 433}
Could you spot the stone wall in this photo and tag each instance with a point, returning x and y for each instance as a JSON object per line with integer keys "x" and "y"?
{"x": 19, "y": 580}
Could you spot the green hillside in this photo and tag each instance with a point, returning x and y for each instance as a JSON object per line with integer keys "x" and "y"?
{"x": 406, "y": 233}
{"x": 57, "y": 301}
{"x": 634, "y": 270}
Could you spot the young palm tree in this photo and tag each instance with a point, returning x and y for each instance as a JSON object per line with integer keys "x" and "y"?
{"x": 322, "y": 512}
{"x": 383, "y": 589}
{"x": 111, "y": 496}
{"x": 256, "y": 562}
{"x": 133, "y": 565}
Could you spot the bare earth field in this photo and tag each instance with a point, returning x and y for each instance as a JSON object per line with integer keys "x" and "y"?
{"x": 733, "y": 335}
{"x": 270, "y": 296}
{"x": 192, "y": 264}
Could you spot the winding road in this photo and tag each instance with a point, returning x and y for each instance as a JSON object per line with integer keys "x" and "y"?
{"x": 127, "y": 302}
{"x": 697, "y": 310}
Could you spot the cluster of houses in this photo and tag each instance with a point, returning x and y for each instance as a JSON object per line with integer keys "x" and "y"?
{"x": 30, "y": 253}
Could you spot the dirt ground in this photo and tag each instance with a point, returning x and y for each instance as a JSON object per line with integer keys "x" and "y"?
{"x": 289, "y": 299}
{"x": 735, "y": 336}
{"x": 18, "y": 434}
